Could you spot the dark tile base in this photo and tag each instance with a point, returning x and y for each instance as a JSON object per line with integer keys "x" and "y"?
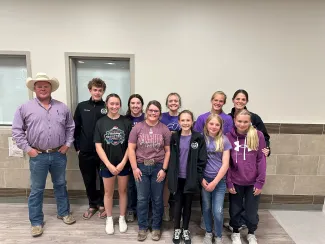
{"x": 287, "y": 199}
{"x": 265, "y": 199}
{"x": 312, "y": 129}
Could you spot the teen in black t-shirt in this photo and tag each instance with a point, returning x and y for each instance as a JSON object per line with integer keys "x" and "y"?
{"x": 111, "y": 140}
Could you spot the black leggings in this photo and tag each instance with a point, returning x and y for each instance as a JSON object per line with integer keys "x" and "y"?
{"x": 182, "y": 202}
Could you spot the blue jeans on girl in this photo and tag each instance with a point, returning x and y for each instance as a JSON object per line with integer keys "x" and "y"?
{"x": 213, "y": 202}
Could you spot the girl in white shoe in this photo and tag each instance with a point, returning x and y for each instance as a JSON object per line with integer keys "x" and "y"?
{"x": 246, "y": 174}
{"x": 214, "y": 182}
{"x": 111, "y": 141}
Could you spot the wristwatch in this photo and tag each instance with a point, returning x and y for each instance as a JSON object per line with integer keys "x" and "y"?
{"x": 165, "y": 170}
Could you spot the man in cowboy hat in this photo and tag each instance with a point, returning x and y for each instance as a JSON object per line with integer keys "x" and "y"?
{"x": 43, "y": 128}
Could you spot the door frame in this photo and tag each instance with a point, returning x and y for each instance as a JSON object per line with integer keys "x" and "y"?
{"x": 70, "y": 71}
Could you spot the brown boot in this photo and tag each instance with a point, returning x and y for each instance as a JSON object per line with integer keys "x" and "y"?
{"x": 37, "y": 230}
{"x": 69, "y": 219}
{"x": 142, "y": 235}
{"x": 155, "y": 235}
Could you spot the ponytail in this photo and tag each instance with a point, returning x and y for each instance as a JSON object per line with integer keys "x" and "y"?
{"x": 252, "y": 138}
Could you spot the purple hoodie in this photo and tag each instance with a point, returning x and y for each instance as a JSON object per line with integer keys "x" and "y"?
{"x": 247, "y": 167}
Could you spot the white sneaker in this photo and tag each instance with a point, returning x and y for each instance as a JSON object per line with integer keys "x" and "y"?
{"x": 218, "y": 240}
{"x": 122, "y": 224}
{"x": 202, "y": 225}
{"x": 235, "y": 237}
{"x": 166, "y": 216}
{"x": 109, "y": 226}
{"x": 251, "y": 239}
{"x": 227, "y": 226}
{"x": 208, "y": 238}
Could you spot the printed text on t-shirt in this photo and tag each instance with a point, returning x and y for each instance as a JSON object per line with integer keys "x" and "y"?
{"x": 151, "y": 141}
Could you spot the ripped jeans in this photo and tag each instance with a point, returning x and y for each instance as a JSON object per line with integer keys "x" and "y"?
{"x": 212, "y": 204}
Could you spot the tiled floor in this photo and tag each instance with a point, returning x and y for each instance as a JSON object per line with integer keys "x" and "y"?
{"x": 14, "y": 228}
{"x": 304, "y": 227}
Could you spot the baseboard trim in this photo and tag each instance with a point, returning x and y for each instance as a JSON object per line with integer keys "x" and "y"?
{"x": 19, "y": 194}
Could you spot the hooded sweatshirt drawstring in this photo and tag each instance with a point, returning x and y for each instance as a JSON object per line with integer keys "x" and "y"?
{"x": 239, "y": 149}
{"x": 244, "y": 149}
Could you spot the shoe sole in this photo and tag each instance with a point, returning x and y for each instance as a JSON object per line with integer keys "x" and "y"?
{"x": 37, "y": 235}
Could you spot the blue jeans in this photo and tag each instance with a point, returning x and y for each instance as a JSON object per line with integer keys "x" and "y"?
{"x": 39, "y": 166}
{"x": 148, "y": 188}
{"x": 132, "y": 194}
{"x": 213, "y": 202}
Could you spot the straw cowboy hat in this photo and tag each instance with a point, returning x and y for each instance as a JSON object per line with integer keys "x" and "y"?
{"x": 30, "y": 82}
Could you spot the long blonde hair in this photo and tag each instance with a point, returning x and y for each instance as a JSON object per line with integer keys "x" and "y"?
{"x": 252, "y": 136}
{"x": 219, "y": 137}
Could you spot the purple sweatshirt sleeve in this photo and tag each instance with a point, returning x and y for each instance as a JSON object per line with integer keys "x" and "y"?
{"x": 69, "y": 129}
{"x": 228, "y": 179}
{"x": 261, "y": 163}
{"x": 19, "y": 131}
{"x": 199, "y": 124}
{"x": 230, "y": 125}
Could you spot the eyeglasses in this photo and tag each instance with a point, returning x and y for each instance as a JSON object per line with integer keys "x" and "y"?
{"x": 153, "y": 111}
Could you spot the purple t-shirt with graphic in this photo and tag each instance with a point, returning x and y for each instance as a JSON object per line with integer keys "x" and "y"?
{"x": 136, "y": 120}
{"x": 170, "y": 121}
{"x": 214, "y": 161}
{"x": 184, "y": 148}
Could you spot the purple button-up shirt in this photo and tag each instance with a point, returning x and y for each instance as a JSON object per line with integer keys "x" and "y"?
{"x": 34, "y": 126}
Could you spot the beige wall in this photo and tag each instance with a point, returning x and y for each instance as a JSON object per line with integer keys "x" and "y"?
{"x": 297, "y": 165}
{"x": 274, "y": 49}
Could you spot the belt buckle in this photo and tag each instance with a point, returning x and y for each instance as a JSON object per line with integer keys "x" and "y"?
{"x": 48, "y": 150}
{"x": 149, "y": 162}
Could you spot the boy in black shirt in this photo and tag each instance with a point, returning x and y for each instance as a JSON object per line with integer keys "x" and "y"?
{"x": 86, "y": 115}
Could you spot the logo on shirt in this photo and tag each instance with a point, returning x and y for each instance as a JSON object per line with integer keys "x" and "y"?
{"x": 134, "y": 123}
{"x": 174, "y": 126}
{"x": 103, "y": 111}
{"x": 241, "y": 146}
{"x": 114, "y": 136}
{"x": 86, "y": 110}
{"x": 194, "y": 145}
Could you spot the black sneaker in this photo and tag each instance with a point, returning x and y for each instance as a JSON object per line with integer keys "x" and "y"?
{"x": 186, "y": 237}
{"x": 130, "y": 217}
{"x": 177, "y": 236}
